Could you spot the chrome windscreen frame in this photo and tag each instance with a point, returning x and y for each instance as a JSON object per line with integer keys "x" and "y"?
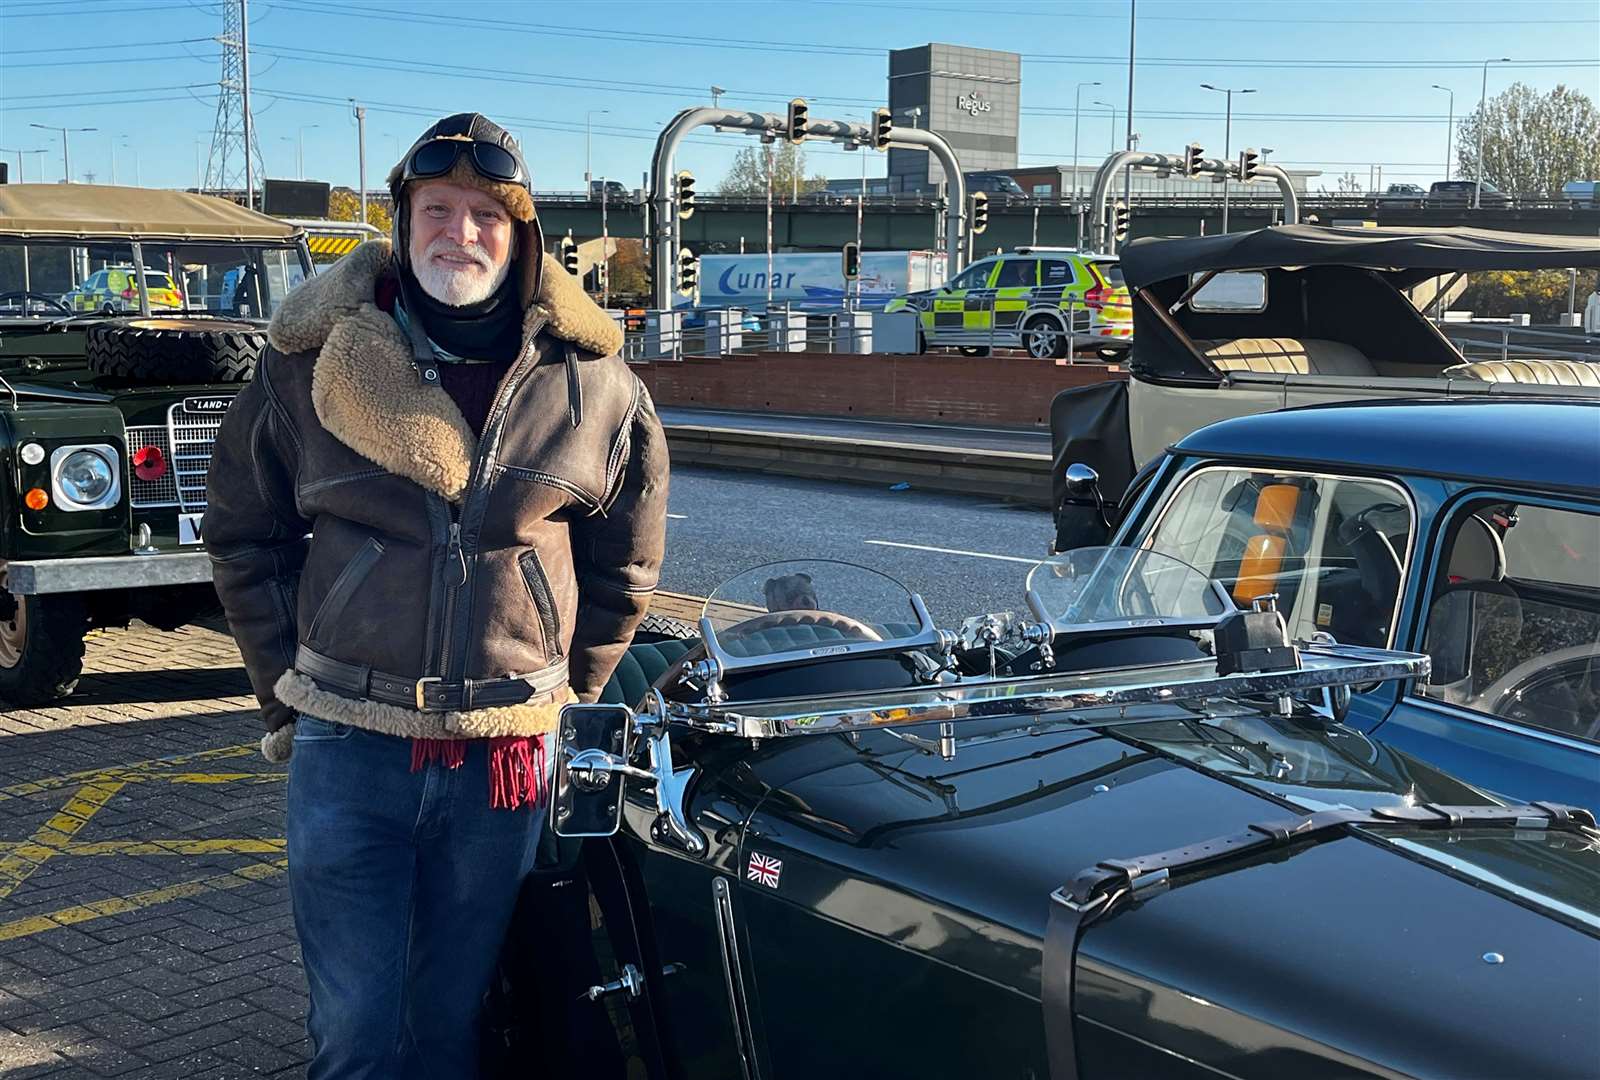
{"x": 708, "y": 673}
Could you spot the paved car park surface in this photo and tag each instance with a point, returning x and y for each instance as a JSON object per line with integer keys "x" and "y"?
{"x": 144, "y": 924}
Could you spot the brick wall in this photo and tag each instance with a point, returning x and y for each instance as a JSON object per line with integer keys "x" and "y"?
{"x": 990, "y": 390}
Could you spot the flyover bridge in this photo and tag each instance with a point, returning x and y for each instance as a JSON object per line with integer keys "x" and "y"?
{"x": 894, "y": 223}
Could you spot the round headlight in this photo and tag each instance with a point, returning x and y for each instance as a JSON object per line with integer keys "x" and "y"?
{"x": 86, "y": 477}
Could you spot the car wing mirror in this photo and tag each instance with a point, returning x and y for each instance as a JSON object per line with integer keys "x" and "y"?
{"x": 591, "y": 764}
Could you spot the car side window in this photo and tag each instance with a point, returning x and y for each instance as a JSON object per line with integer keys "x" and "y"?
{"x": 1056, "y": 272}
{"x": 1513, "y": 625}
{"x": 973, "y": 277}
{"x": 1332, "y": 549}
{"x": 1018, "y": 273}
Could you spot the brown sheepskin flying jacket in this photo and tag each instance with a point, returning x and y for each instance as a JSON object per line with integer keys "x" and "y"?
{"x": 433, "y": 555}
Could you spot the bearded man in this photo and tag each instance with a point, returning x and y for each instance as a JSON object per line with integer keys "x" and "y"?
{"x": 436, "y": 516}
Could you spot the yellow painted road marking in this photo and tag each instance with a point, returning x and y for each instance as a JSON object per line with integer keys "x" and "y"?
{"x": 245, "y": 846}
{"x": 99, "y": 909}
{"x": 60, "y": 829}
{"x": 138, "y": 770}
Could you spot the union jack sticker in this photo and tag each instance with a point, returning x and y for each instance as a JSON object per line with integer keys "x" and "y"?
{"x": 765, "y": 870}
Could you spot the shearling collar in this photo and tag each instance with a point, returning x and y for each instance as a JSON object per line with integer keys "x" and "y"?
{"x": 364, "y": 386}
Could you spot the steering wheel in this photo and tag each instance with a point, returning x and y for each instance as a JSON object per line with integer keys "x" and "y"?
{"x": 804, "y": 617}
{"x": 20, "y": 294}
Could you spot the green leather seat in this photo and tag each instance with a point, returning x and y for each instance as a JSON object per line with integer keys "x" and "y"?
{"x": 641, "y": 666}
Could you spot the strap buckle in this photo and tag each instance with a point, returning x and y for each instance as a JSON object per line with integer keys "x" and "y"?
{"x": 422, "y": 690}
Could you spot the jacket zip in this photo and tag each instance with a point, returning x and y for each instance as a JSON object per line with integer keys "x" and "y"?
{"x": 459, "y": 554}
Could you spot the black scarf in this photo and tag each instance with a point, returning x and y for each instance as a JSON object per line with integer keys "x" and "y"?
{"x": 491, "y": 329}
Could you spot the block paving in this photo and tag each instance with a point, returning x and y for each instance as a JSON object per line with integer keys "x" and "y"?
{"x": 144, "y": 916}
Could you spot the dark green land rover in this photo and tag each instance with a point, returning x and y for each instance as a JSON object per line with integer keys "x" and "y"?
{"x": 107, "y": 416}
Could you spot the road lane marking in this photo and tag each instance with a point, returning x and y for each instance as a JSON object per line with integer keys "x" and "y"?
{"x": 952, "y": 551}
{"x": 138, "y": 770}
{"x": 119, "y": 905}
{"x": 247, "y": 846}
{"x": 677, "y": 517}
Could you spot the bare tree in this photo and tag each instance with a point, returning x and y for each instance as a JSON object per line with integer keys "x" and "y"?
{"x": 748, "y": 173}
{"x": 1532, "y": 143}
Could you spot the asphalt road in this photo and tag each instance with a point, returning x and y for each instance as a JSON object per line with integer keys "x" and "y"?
{"x": 724, "y": 523}
{"x": 949, "y": 436}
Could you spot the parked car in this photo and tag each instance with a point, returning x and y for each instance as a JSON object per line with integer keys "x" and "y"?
{"x": 116, "y": 289}
{"x": 1067, "y": 844}
{"x": 1445, "y": 193}
{"x": 107, "y": 421}
{"x": 1465, "y": 529}
{"x": 613, "y": 191}
{"x": 1297, "y": 315}
{"x": 1403, "y": 195}
{"x": 1026, "y": 299}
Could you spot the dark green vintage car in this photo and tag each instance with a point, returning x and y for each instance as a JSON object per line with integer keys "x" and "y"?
{"x": 1130, "y": 831}
{"x": 107, "y": 420}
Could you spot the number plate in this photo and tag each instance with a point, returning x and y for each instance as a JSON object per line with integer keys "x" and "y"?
{"x": 189, "y": 528}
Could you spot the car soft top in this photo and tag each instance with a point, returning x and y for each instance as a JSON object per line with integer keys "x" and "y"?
{"x": 102, "y": 212}
{"x": 1149, "y": 260}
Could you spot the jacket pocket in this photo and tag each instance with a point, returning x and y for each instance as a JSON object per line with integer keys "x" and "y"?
{"x": 544, "y": 600}
{"x": 344, "y": 586}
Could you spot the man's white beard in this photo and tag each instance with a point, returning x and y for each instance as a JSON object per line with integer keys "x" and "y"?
{"x": 459, "y": 287}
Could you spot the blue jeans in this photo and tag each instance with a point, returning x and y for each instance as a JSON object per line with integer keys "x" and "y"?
{"x": 403, "y": 885}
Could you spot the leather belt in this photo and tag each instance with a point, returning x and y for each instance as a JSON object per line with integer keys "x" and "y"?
{"x": 429, "y": 694}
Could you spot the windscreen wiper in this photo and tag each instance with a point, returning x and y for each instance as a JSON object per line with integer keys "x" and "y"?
{"x": 1108, "y": 885}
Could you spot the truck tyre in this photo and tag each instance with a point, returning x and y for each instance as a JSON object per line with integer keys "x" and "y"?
{"x": 41, "y": 646}
{"x": 176, "y": 350}
{"x": 1045, "y": 338}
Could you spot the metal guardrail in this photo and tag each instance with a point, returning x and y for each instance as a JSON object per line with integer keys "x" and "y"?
{"x": 1508, "y": 341}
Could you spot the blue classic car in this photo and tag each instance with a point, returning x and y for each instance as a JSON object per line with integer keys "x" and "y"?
{"x": 1468, "y": 530}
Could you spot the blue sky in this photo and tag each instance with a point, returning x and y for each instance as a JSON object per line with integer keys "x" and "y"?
{"x": 1340, "y": 87}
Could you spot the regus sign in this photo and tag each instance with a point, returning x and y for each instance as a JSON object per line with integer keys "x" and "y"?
{"x": 972, "y": 104}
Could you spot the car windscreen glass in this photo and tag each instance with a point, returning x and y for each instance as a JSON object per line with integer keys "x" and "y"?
{"x": 973, "y": 277}
{"x": 1112, "y": 273}
{"x": 1513, "y": 626}
{"x": 1236, "y": 290}
{"x": 810, "y": 605}
{"x": 62, "y": 278}
{"x": 1333, "y": 549}
{"x": 1101, "y": 586}
{"x": 241, "y": 281}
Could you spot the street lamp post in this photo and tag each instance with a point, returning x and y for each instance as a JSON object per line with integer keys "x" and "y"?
{"x": 588, "y": 141}
{"x": 1227, "y": 142}
{"x": 300, "y": 150}
{"x": 66, "y": 157}
{"x": 1450, "y": 127}
{"x": 716, "y": 96}
{"x": 1077, "y": 111}
{"x": 1483, "y": 101}
{"x": 22, "y": 175}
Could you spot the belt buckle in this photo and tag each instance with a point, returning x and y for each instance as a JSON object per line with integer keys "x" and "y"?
{"x": 422, "y": 688}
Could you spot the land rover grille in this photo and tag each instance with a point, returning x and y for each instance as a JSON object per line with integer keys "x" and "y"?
{"x": 186, "y": 442}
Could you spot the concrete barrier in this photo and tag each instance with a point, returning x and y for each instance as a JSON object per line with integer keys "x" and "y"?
{"x": 997, "y": 474}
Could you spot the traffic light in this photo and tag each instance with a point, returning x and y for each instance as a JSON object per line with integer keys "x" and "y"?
{"x": 1120, "y": 215}
{"x": 1192, "y": 156}
{"x": 798, "y": 120}
{"x": 882, "y": 128}
{"x": 569, "y": 254}
{"x": 601, "y": 274}
{"x": 852, "y": 261}
{"x": 688, "y": 272}
{"x": 980, "y": 211}
{"x": 685, "y": 194}
{"x": 1249, "y": 161}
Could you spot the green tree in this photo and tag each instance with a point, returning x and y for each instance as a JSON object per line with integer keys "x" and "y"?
{"x": 1540, "y": 293}
{"x": 627, "y": 271}
{"x": 1532, "y": 143}
{"x": 748, "y": 173}
{"x": 345, "y": 205}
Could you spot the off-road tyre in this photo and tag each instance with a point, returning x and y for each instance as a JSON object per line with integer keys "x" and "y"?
{"x": 42, "y": 665}
{"x": 175, "y": 350}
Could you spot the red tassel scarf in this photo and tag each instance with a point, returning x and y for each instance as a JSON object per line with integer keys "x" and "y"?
{"x": 516, "y": 766}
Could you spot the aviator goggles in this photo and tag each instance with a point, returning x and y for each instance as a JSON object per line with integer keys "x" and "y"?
{"x": 438, "y": 157}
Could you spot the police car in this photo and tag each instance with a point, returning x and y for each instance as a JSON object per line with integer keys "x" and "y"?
{"x": 1028, "y": 299}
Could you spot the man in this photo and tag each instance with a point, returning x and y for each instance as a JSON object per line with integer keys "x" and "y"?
{"x": 484, "y": 486}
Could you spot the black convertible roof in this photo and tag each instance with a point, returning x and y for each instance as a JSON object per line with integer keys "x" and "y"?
{"x": 1150, "y": 260}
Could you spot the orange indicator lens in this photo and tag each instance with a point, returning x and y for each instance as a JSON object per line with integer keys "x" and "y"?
{"x": 36, "y": 499}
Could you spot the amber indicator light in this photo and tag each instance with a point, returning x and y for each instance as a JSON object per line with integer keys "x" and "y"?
{"x": 36, "y": 499}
